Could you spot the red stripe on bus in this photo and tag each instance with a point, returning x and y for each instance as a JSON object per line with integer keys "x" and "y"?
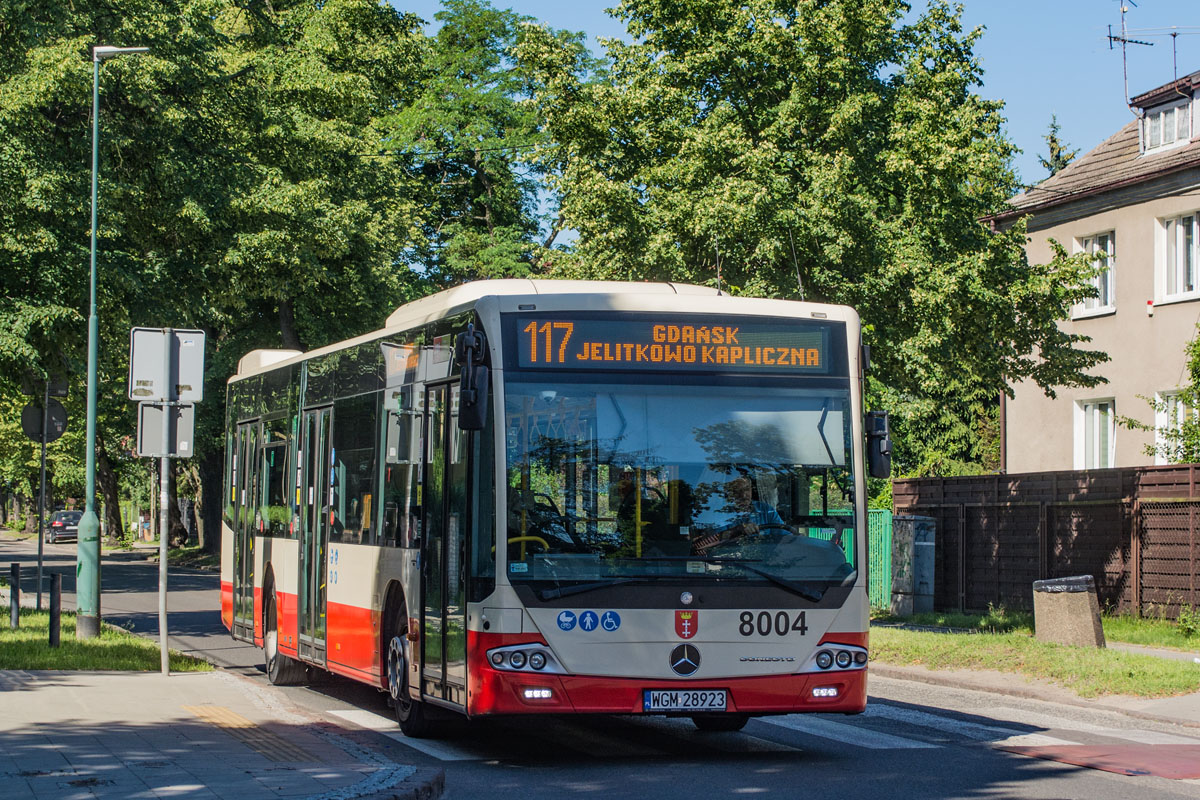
{"x": 353, "y": 638}
{"x": 493, "y": 691}
{"x": 227, "y": 605}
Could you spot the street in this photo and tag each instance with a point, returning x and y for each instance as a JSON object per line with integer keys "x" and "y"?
{"x": 915, "y": 740}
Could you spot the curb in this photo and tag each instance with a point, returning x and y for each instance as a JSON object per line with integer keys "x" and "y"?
{"x": 921, "y": 675}
{"x": 424, "y": 784}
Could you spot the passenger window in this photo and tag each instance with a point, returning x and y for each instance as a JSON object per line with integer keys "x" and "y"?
{"x": 355, "y": 441}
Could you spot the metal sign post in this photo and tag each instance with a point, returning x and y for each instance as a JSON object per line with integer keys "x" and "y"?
{"x": 166, "y": 376}
{"x": 44, "y": 425}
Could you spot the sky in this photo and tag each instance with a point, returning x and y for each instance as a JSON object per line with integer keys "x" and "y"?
{"x": 1041, "y": 57}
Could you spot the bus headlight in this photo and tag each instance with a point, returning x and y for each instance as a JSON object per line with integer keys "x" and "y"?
{"x": 843, "y": 659}
{"x": 537, "y": 660}
{"x": 824, "y": 659}
{"x": 517, "y": 659}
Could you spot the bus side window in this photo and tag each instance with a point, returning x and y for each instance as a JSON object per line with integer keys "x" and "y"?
{"x": 355, "y": 441}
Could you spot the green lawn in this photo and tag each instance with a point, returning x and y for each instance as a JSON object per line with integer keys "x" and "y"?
{"x": 1089, "y": 672}
{"x": 1128, "y": 629}
{"x": 28, "y": 647}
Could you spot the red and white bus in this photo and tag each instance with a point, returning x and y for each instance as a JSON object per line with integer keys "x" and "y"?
{"x": 527, "y": 496}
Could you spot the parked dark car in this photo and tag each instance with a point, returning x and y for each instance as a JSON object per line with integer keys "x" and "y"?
{"x": 64, "y": 527}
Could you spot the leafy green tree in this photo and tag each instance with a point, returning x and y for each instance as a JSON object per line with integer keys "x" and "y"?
{"x": 833, "y": 151}
{"x": 240, "y": 192}
{"x": 1060, "y": 152}
{"x": 1177, "y": 442}
{"x": 465, "y": 139}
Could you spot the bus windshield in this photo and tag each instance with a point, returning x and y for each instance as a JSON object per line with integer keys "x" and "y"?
{"x": 622, "y": 482}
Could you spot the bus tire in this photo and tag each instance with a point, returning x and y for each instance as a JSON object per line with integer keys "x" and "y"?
{"x": 720, "y": 723}
{"x": 412, "y": 715}
{"x": 281, "y": 670}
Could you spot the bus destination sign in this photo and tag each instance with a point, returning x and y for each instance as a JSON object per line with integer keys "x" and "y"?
{"x": 697, "y": 343}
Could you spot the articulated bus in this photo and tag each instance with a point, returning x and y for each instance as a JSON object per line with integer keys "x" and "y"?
{"x": 534, "y": 496}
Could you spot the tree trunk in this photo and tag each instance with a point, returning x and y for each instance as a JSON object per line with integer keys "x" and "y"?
{"x": 108, "y": 491}
{"x": 287, "y": 326}
{"x": 178, "y": 533}
{"x": 209, "y": 519}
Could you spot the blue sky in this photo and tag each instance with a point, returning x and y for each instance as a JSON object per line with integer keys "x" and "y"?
{"x": 1041, "y": 57}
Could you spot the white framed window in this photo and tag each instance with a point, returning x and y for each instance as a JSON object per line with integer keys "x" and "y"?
{"x": 1095, "y": 426}
{"x": 1179, "y": 256}
{"x": 1170, "y": 412}
{"x": 1103, "y": 248}
{"x": 1166, "y": 127}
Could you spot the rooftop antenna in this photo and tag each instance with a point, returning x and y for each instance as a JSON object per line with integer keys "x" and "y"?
{"x": 1125, "y": 40}
{"x": 799, "y": 282}
{"x": 717, "y": 246}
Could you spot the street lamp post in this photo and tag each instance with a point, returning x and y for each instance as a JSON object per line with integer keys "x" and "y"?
{"x": 87, "y": 589}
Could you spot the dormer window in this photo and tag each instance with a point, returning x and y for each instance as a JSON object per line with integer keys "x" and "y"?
{"x": 1166, "y": 126}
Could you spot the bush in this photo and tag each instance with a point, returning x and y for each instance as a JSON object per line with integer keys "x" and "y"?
{"x": 1188, "y": 621}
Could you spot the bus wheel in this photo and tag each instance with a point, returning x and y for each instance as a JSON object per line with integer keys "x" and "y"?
{"x": 281, "y": 670}
{"x": 718, "y": 723}
{"x": 412, "y": 715}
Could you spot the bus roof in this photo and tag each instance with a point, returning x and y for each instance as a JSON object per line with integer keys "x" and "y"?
{"x": 460, "y": 298}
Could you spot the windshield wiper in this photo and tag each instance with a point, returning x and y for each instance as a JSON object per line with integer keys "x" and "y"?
{"x": 802, "y": 589}
{"x": 580, "y": 588}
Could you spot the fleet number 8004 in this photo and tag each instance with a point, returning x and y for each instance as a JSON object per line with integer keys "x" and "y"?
{"x": 765, "y": 623}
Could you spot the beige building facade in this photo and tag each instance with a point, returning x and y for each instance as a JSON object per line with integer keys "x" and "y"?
{"x": 1133, "y": 202}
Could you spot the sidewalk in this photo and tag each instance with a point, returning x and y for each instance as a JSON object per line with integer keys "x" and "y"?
{"x": 70, "y": 735}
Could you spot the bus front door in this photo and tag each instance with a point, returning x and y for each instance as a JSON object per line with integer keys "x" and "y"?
{"x": 314, "y": 535}
{"x": 444, "y": 639}
{"x": 244, "y": 523}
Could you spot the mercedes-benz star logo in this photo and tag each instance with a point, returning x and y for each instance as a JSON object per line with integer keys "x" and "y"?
{"x": 685, "y": 659}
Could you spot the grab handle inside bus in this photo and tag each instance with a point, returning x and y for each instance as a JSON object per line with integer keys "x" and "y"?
{"x": 879, "y": 445}
{"x": 470, "y": 349}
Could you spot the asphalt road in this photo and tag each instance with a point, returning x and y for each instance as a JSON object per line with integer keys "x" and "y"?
{"x": 915, "y": 741}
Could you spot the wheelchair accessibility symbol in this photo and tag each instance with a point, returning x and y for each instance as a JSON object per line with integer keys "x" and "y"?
{"x": 610, "y": 621}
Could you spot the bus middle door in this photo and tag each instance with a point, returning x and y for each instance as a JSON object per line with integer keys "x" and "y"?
{"x": 444, "y": 637}
{"x": 314, "y": 534}
{"x": 245, "y": 509}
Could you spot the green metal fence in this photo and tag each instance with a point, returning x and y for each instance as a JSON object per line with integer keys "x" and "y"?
{"x": 879, "y": 553}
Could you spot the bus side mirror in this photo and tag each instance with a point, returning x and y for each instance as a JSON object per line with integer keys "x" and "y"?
{"x": 469, "y": 350}
{"x": 879, "y": 445}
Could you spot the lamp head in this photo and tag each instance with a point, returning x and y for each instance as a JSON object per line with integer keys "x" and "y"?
{"x": 102, "y": 52}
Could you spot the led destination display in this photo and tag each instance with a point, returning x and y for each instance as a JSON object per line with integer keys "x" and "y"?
{"x": 703, "y": 344}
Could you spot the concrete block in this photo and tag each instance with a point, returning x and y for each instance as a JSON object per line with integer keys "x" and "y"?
{"x": 1067, "y": 611}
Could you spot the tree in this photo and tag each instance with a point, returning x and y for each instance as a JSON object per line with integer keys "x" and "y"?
{"x": 1177, "y": 440}
{"x": 1060, "y": 155}
{"x": 465, "y": 138}
{"x": 239, "y": 190}
{"x": 834, "y": 151}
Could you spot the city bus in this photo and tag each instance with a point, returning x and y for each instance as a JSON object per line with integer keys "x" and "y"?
{"x": 539, "y": 496}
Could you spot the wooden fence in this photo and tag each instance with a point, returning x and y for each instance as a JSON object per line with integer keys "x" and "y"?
{"x": 1133, "y": 528}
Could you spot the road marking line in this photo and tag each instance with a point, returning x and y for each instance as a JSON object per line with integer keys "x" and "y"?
{"x": 1031, "y": 740}
{"x": 957, "y": 727}
{"x": 388, "y": 727}
{"x": 1057, "y": 723}
{"x": 260, "y": 739}
{"x": 856, "y": 735}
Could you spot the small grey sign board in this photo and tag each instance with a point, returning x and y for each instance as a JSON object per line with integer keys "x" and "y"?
{"x": 31, "y": 421}
{"x": 150, "y": 423}
{"x": 147, "y": 357}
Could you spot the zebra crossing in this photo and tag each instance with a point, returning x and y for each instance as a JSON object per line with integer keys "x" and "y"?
{"x": 883, "y": 727}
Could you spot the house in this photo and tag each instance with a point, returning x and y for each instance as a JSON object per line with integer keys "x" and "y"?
{"x": 1134, "y": 202}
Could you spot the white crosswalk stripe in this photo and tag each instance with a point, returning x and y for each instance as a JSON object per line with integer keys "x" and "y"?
{"x": 857, "y": 735}
{"x": 1064, "y": 724}
{"x": 444, "y": 751}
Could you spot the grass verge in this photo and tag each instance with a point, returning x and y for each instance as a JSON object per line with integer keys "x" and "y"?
{"x": 1087, "y": 672}
{"x": 1131, "y": 630}
{"x": 28, "y": 647}
{"x": 193, "y": 557}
